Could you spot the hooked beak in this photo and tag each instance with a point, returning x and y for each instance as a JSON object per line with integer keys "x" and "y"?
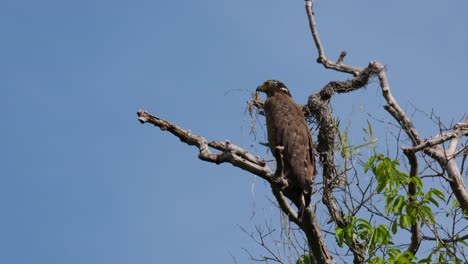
{"x": 261, "y": 88}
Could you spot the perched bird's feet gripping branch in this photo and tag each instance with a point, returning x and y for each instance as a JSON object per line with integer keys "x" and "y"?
{"x": 279, "y": 177}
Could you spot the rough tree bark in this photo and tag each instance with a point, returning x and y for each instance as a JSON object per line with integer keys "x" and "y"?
{"x": 318, "y": 108}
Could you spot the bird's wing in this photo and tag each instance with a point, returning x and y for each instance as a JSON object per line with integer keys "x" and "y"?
{"x": 298, "y": 149}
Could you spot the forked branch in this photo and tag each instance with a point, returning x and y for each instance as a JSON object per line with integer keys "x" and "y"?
{"x": 338, "y": 66}
{"x": 229, "y": 153}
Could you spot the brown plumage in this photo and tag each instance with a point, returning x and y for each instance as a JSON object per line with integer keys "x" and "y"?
{"x": 289, "y": 135}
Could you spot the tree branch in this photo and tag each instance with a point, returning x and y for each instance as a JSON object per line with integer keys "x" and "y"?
{"x": 459, "y": 130}
{"x": 416, "y": 236}
{"x": 338, "y": 66}
{"x": 445, "y": 158}
{"x": 230, "y": 153}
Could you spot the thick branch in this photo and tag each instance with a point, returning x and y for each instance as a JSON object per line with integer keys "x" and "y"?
{"x": 317, "y": 245}
{"x": 416, "y": 236}
{"x": 231, "y": 153}
{"x": 318, "y": 107}
{"x": 307, "y": 222}
{"x": 460, "y": 129}
{"x": 393, "y": 107}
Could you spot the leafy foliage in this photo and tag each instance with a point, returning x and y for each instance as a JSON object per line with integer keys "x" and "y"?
{"x": 304, "y": 259}
{"x": 409, "y": 209}
{"x": 406, "y": 209}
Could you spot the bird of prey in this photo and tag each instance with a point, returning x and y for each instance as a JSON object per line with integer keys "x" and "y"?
{"x": 290, "y": 142}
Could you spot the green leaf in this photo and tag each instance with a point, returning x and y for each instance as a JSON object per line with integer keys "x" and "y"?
{"x": 377, "y": 260}
{"x": 394, "y": 227}
{"x": 417, "y": 182}
{"x": 405, "y": 221}
{"x": 339, "y": 236}
{"x": 372, "y": 141}
{"x": 382, "y": 182}
{"x": 437, "y": 193}
{"x": 398, "y": 205}
{"x": 464, "y": 243}
{"x": 426, "y": 213}
{"x": 383, "y": 234}
{"x": 348, "y": 233}
{"x": 433, "y": 201}
{"x": 370, "y": 128}
{"x": 412, "y": 208}
{"x": 363, "y": 224}
{"x": 369, "y": 163}
{"x": 304, "y": 259}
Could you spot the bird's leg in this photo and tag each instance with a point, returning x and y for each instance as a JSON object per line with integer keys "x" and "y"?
{"x": 279, "y": 178}
{"x": 302, "y": 208}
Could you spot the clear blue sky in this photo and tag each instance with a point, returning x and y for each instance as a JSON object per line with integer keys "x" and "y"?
{"x": 81, "y": 181}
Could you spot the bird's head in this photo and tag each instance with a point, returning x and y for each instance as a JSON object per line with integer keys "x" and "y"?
{"x": 271, "y": 87}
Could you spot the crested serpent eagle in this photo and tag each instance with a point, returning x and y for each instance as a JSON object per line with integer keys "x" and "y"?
{"x": 290, "y": 142}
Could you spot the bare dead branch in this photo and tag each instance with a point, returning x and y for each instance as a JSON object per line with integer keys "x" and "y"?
{"x": 230, "y": 153}
{"x": 448, "y": 240}
{"x": 284, "y": 205}
{"x": 460, "y": 129}
{"x": 260, "y": 239}
{"x": 322, "y": 58}
{"x": 341, "y": 58}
